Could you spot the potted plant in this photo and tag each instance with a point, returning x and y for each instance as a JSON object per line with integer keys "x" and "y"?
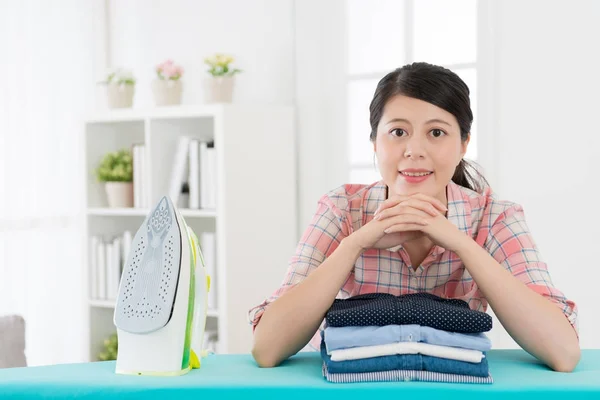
{"x": 120, "y": 85}
{"x": 110, "y": 348}
{"x": 116, "y": 171}
{"x": 167, "y": 87}
{"x": 219, "y": 86}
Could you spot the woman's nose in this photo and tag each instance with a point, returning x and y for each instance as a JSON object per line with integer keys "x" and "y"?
{"x": 414, "y": 149}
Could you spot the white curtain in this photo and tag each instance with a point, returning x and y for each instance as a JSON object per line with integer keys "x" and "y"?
{"x": 46, "y": 86}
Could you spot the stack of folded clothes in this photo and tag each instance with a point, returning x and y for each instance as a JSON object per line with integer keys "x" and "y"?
{"x": 379, "y": 337}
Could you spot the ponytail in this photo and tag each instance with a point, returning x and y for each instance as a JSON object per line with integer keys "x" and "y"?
{"x": 467, "y": 175}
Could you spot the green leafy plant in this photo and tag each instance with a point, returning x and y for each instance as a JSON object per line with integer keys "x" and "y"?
{"x": 219, "y": 65}
{"x": 110, "y": 348}
{"x": 116, "y": 166}
{"x": 119, "y": 76}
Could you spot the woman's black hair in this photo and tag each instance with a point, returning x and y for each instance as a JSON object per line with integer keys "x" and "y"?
{"x": 440, "y": 87}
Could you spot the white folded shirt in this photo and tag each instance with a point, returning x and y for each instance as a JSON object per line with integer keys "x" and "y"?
{"x": 433, "y": 350}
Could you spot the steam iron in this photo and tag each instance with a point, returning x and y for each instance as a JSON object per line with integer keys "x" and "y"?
{"x": 161, "y": 307}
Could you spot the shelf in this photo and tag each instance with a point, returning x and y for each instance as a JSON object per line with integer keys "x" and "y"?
{"x": 186, "y": 212}
{"x": 244, "y": 137}
{"x": 165, "y": 112}
{"x": 102, "y": 303}
{"x": 142, "y": 212}
{"x": 111, "y": 304}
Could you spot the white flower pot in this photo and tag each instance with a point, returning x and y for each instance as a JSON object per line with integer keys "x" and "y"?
{"x": 119, "y": 96}
{"x": 167, "y": 92}
{"x": 219, "y": 89}
{"x": 119, "y": 194}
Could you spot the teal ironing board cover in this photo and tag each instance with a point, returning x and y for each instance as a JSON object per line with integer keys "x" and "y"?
{"x": 517, "y": 375}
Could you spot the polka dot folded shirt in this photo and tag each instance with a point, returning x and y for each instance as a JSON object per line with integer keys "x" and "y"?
{"x": 425, "y": 309}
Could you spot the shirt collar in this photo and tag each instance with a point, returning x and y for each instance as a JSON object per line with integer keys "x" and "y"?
{"x": 459, "y": 208}
{"x": 373, "y": 199}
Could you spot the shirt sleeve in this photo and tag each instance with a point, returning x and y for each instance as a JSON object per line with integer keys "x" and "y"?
{"x": 329, "y": 225}
{"x": 511, "y": 244}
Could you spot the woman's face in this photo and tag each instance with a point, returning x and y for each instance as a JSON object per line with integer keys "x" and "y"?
{"x": 418, "y": 147}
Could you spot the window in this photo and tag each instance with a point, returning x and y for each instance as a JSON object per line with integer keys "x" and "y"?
{"x": 385, "y": 34}
{"x": 40, "y": 179}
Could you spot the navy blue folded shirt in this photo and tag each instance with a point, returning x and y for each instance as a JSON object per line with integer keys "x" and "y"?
{"x": 415, "y": 362}
{"x": 426, "y": 309}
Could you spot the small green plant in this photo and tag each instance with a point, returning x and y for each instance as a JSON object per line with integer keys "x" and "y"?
{"x": 116, "y": 166}
{"x": 219, "y": 65}
{"x": 109, "y": 352}
{"x": 119, "y": 76}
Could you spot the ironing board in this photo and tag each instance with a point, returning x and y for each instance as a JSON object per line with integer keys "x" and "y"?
{"x": 221, "y": 377}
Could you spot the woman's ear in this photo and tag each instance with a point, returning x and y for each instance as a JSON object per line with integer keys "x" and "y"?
{"x": 464, "y": 145}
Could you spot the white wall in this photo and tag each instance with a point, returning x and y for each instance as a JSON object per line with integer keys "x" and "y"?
{"x": 320, "y": 101}
{"x": 545, "y": 138}
{"x": 258, "y": 33}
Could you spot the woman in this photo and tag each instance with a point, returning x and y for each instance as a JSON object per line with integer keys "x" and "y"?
{"x": 427, "y": 226}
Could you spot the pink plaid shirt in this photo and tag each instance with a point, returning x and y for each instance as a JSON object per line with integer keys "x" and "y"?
{"x": 498, "y": 226}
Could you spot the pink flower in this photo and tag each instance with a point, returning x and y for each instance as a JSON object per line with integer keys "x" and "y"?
{"x": 171, "y": 71}
{"x": 168, "y": 70}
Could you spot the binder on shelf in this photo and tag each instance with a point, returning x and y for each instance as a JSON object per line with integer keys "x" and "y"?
{"x": 107, "y": 257}
{"x": 194, "y": 167}
{"x": 208, "y": 176}
{"x": 179, "y": 168}
{"x": 208, "y": 246}
{"x": 94, "y": 270}
{"x": 101, "y": 268}
{"x": 194, "y": 175}
{"x": 140, "y": 176}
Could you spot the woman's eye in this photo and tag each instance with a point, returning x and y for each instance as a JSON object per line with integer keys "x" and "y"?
{"x": 437, "y": 132}
{"x": 398, "y": 132}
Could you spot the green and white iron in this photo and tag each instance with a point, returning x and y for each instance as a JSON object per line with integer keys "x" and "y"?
{"x": 161, "y": 308}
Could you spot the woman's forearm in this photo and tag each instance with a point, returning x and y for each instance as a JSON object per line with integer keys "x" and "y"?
{"x": 289, "y": 323}
{"x": 536, "y": 324}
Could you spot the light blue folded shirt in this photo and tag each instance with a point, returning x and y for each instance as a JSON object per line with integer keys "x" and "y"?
{"x": 357, "y": 336}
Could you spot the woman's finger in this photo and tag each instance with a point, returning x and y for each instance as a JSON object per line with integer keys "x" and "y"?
{"x": 406, "y": 219}
{"x": 404, "y": 228}
{"x": 435, "y": 202}
{"x": 391, "y": 202}
{"x": 395, "y": 200}
{"x": 409, "y": 206}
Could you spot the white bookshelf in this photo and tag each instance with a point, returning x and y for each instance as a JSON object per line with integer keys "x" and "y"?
{"x": 255, "y": 219}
